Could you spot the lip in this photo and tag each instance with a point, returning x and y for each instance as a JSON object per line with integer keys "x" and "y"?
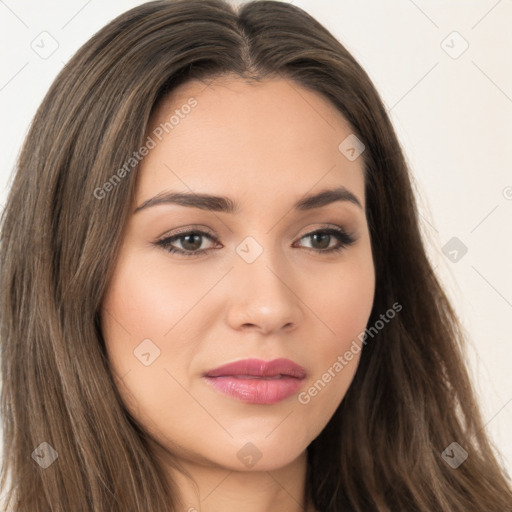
{"x": 256, "y": 381}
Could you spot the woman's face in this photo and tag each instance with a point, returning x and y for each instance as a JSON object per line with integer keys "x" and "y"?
{"x": 254, "y": 282}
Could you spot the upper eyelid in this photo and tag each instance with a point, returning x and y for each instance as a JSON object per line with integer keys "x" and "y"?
{"x": 200, "y": 228}
{"x": 185, "y": 232}
{"x": 166, "y": 239}
{"x": 205, "y": 232}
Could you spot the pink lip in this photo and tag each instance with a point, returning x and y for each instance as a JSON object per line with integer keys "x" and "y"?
{"x": 256, "y": 381}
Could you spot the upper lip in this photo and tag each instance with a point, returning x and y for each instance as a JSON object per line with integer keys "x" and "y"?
{"x": 259, "y": 368}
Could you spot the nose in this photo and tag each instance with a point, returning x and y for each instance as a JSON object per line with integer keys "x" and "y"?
{"x": 262, "y": 296}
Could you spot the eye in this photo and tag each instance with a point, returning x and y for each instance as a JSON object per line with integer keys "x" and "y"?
{"x": 323, "y": 238}
{"x": 190, "y": 241}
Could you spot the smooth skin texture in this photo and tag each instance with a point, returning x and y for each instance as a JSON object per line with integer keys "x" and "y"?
{"x": 264, "y": 145}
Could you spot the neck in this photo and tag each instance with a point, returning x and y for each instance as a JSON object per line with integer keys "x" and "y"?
{"x": 210, "y": 488}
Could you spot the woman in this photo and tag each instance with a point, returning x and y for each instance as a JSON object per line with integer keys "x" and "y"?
{"x": 215, "y": 295}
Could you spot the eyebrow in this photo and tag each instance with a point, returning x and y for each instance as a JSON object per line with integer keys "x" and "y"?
{"x": 227, "y": 205}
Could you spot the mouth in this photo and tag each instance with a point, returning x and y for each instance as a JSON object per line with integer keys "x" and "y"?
{"x": 256, "y": 381}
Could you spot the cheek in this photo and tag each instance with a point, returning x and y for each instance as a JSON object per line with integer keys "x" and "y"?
{"x": 343, "y": 305}
{"x": 137, "y": 311}
{"x": 348, "y": 309}
{"x": 148, "y": 301}
{"x": 145, "y": 307}
{"x": 345, "y": 301}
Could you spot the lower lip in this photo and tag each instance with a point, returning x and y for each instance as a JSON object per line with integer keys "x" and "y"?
{"x": 258, "y": 390}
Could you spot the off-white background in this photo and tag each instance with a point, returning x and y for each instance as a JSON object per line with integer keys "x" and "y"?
{"x": 453, "y": 117}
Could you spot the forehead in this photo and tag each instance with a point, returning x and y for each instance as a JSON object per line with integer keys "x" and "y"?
{"x": 268, "y": 137}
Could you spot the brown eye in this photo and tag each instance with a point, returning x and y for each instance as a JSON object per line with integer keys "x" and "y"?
{"x": 190, "y": 242}
{"x": 321, "y": 240}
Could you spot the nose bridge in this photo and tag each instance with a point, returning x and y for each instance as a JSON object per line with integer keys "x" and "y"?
{"x": 258, "y": 263}
{"x": 263, "y": 294}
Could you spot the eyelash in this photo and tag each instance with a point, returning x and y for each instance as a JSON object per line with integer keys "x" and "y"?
{"x": 344, "y": 239}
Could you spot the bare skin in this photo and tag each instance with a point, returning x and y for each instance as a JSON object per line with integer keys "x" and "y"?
{"x": 265, "y": 146}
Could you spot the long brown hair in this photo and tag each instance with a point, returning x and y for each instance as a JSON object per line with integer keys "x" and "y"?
{"x": 411, "y": 397}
